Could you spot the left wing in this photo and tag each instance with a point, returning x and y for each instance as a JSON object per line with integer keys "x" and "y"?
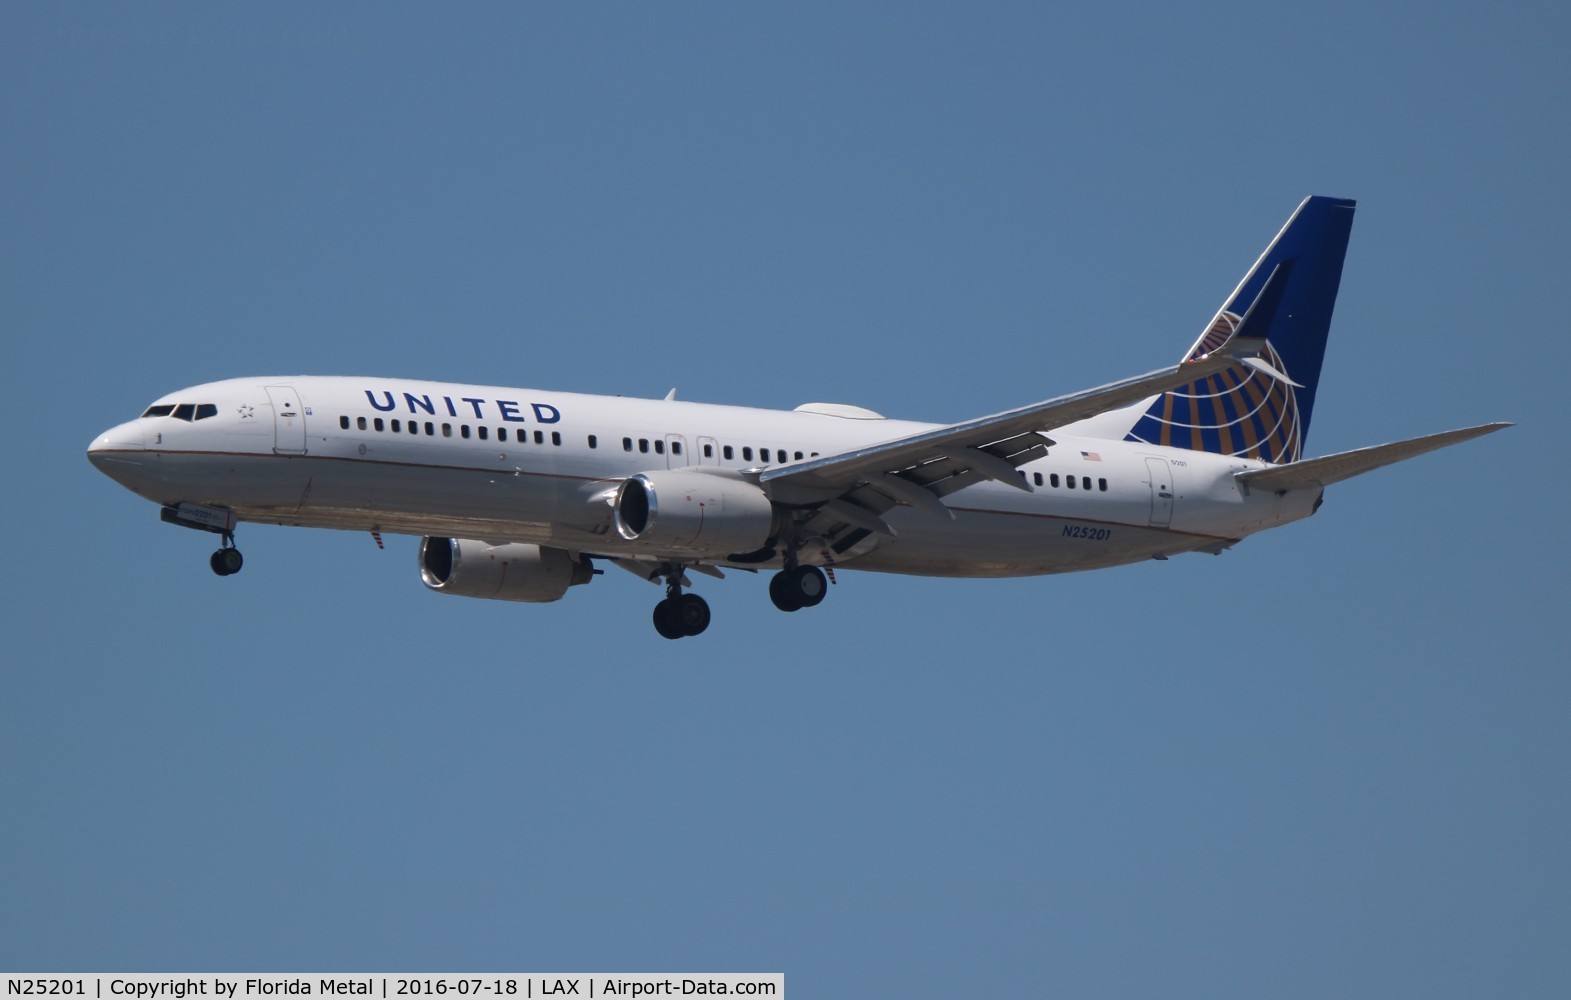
{"x": 845, "y": 495}
{"x": 852, "y": 489}
{"x": 993, "y": 446}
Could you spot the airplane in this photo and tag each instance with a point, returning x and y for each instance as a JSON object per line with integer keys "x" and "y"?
{"x": 517, "y": 493}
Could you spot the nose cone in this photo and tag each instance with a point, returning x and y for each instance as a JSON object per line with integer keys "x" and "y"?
{"x": 118, "y": 453}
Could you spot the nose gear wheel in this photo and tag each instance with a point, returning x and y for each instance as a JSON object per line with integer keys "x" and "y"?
{"x": 227, "y": 560}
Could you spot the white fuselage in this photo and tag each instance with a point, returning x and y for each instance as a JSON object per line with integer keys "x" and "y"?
{"x": 523, "y": 465}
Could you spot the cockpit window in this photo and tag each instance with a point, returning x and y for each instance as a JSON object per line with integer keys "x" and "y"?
{"x": 183, "y": 411}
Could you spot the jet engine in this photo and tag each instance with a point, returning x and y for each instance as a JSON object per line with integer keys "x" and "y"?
{"x": 703, "y": 513}
{"x": 511, "y": 571}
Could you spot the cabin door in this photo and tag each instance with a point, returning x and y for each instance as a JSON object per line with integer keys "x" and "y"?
{"x": 288, "y": 420}
{"x": 1161, "y": 476}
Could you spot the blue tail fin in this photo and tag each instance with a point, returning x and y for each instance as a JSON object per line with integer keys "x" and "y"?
{"x": 1243, "y": 411}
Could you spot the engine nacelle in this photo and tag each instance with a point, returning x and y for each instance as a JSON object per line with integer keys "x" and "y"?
{"x": 691, "y": 511}
{"x": 510, "y": 572}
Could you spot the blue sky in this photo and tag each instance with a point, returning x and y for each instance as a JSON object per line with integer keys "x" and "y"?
{"x": 1329, "y": 762}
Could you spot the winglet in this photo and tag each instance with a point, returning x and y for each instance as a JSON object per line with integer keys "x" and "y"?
{"x": 1264, "y": 367}
{"x": 1254, "y": 330}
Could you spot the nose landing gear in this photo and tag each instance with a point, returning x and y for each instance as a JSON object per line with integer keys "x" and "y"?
{"x": 227, "y": 560}
{"x": 220, "y": 521}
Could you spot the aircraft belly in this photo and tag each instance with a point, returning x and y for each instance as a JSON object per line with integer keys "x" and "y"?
{"x": 359, "y": 495}
{"x": 545, "y": 506}
{"x": 1001, "y": 544}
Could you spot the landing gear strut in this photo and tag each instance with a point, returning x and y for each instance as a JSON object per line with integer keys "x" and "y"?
{"x": 798, "y": 587}
{"x": 227, "y": 560}
{"x": 220, "y": 521}
{"x": 680, "y": 614}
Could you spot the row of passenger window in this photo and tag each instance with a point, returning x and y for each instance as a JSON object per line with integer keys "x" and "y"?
{"x": 483, "y": 433}
{"x": 642, "y": 445}
{"x": 727, "y": 452}
{"x": 1069, "y": 482}
{"x": 432, "y": 429}
{"x": 183, "y": 411}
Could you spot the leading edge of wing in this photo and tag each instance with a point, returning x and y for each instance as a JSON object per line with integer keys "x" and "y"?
{"x": 846, "y": 468}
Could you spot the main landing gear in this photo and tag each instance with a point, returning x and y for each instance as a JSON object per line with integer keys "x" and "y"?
{"x": 680, "y": 614}
{"x": 688, "y": 614}
{"x": 798, "y": 587}
{"x": 227, "y": 560}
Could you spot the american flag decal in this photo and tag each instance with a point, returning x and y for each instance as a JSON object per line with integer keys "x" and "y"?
{"x": 1091, "y": 456}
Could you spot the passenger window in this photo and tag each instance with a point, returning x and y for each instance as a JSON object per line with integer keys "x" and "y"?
{"x": 659, "y": 447}
{"x": 643, "y": 446}
{"x": 593, "y": 443}
{"x": 727, "y": 453}
{"x": 797, "y": 455}
{"x": 709, "y": 451}
{"x": 1054, "y": 480}
{"x": 780, "y": 455}
{"x": 378, "y": 424}
{"x": 463, "y": 432}
{"x": 360, "y": 423}
{"x": 539, "y": 437}
{"x": 501, "y": 433}
{"x": 397, "y": 425}
{"x": 1085, "y": 482}
{"x": 676, "y": 447}
{"x": 447, "y": 430}
{"x": 627, "y": 444}
{"x": 747, "y": 453}
{"x": 1069, "y": 481}
{"x": 343, "y": 423}
{"x": 1101, "y": 484}
{"x": 556, "y": 438}
{"x": 1038, "y": 478}
{"x": 414, "y": 428}
{"x": 430, "y": 429}
{"x": 484, "y": 432}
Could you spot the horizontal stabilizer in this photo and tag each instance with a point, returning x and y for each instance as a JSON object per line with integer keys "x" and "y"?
{"x": 1318, "y": 472}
